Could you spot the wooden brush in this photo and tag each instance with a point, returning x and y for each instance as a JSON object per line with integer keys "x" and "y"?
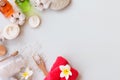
{"x": 41, "y": 64}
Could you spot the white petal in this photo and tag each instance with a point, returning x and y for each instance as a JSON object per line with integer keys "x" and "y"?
{"x": 67, "y": 66}
{"x": 61, "y": 67}
{"x": 70, "y": 73}
{"x": 62, "y": 75}
{"x": 26, "y": 77}
{"x": 66, "y": 77}
{"x": 30, "y": 73}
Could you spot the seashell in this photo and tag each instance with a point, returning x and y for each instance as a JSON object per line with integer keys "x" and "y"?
{"x": 59, "y": 4}
{"x": 41, "y": 4}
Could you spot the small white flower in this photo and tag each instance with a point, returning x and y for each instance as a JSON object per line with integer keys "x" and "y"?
{"x": 42, "y": 4}
{"x": 18, "y": 18}
{"x": 65, "y": 71}
{"x": 26, "y": 74}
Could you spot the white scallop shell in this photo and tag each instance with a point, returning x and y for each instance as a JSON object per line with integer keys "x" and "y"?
{"x": 41, "y": 4}
{"x": 59, "y": 4}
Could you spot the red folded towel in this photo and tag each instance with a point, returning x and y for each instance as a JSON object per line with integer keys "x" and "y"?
{"x": 61, "y": 70}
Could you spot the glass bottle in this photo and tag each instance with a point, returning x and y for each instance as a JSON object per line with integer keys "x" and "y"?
{"x": 11, "y": 66}
{"x": 24, "y": 5}
{"x": 6, "y": 8}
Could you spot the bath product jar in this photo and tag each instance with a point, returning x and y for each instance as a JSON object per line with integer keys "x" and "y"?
{"x": 11, "y": 66}
{"x": 6, "y": 8}
{"x": 24, "y": 5}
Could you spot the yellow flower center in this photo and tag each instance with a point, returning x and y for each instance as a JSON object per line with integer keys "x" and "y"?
{"x": 25, "y": 74}
{"x": 66, "y": 71}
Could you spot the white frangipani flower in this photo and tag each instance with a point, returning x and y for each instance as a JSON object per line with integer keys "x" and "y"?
{"x": 26, "y": 74}
{"x": 65, "y": 71}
